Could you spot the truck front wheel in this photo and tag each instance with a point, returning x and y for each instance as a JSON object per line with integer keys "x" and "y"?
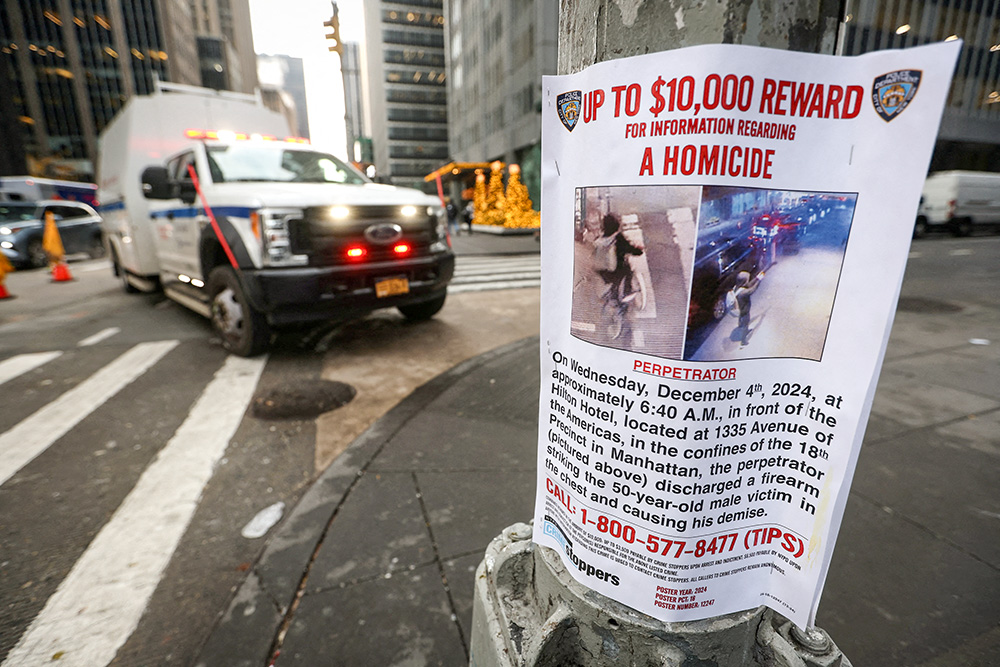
{"x": 119, "y": 272}
{"x": 424, "y": 310}
{"x": 244, "y": 331}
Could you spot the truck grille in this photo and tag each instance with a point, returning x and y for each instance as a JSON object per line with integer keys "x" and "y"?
{"x": 327, "y": 240}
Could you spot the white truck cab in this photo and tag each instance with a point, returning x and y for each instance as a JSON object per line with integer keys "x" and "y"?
{"x": 258, "y": 233}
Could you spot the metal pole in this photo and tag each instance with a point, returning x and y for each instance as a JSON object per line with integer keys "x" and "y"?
{"x": 528, "y": 611}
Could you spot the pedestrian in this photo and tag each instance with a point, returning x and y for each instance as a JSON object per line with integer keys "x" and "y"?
{"x": 741, "y": 293}
{"x": 613, "y": 247}
{"x": 469, "y": 213}
{"x": 452, "y": 217}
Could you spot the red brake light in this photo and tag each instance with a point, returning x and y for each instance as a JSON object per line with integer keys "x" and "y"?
{"x": 401, "y": 248}
{"x": 356, "y": 252}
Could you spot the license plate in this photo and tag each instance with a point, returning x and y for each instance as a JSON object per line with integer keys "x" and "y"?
{"x": 391, "y": 286}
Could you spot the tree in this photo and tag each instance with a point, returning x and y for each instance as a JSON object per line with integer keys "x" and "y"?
{"x": 518, "y": 213}
{"x": 495, "y": 200}
{"x": 479, "y": 198}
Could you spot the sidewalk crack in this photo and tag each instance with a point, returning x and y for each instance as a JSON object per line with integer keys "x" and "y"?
{"x": 926, "y": 529}
{"x": 440, "y": 565}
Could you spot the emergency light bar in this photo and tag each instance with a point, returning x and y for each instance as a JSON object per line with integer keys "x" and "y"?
{"x": 226, "y": 135}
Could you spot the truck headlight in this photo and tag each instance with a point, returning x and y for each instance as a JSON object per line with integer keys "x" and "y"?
{"x": 442, "y": 240}
{"x": 273, "y": 228}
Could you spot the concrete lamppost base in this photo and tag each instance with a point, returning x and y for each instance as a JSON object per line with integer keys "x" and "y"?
{"x": 529, "y": 612}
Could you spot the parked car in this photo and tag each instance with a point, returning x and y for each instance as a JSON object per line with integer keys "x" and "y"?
{"x": 716, "y": 265}
{"x": 23, "y": 223}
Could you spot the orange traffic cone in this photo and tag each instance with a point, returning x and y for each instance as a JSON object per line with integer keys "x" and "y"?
{"x": 54, "y": 248}
{"x": 5, "y": 268}
{"x": 60, "y": 272}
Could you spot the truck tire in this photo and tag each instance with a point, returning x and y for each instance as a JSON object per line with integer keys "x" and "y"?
{"x": 920, "y": 228}
{"x": 243, "y": 330}
{"x": 962, "y": 227}
{"x": 424, "y": 310}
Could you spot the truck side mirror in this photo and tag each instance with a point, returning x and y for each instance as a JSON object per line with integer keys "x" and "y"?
{"x": 187, "y": 193}
{"x": 156, "y": 184}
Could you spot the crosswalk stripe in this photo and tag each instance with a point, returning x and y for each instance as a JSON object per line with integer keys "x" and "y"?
{"x": 99, "y": 604}
{"x": 491, "y": 270}
{"x": 495, "y": 285}
{"x": 22, "y": 363}
{"x": 526, "y": 275}
{"x": 99, "y": 336}
{"x": 479, "y": 274}
{"x": 509, "y": 261}
{"x": 21, "y": 444}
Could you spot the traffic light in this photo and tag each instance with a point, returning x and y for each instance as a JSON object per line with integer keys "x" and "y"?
{"x": 334, "y": 25}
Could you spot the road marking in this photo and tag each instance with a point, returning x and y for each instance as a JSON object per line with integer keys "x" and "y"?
{"x": 492, "y": 277}
{"x": 99, "y": 336}
{"x": 495, "y": 285}
{"x": 478, "y": 274}
{"x": 495, "y": 265}
{"x": 22, "y": 363}
{"x": 99, "y": 604}
{"x": 960, "y": 252}
{"x": 21, "y": 444}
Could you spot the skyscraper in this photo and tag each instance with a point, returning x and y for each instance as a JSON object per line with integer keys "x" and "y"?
{"x": 405, "y": 94}
{"x": 498, "y": 52}
{"x": 73, "y": 64}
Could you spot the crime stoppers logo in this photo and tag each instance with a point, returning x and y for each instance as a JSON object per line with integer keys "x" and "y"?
{"x": 893, "y": 92}
{"x": 568, "y": 106}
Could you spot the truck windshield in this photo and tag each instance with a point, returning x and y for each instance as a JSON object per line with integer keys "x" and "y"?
{"x": 252, "y": 162}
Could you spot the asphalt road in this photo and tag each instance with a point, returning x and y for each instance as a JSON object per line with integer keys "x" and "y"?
{"x": 128, "y": 447}
{"x": 923, "y": 477}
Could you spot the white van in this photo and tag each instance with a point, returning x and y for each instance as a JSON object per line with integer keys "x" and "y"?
{"x": 30, "y": 188}
{"x": 958, "y": 201}
{"x": 202, "y": 195}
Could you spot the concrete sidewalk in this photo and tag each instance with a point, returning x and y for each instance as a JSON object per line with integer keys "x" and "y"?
{"x": 375, "y": 566}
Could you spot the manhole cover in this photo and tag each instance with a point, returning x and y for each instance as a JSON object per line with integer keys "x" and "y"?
{"x": 304, "y": 399}
{"x": 919, "y": 304}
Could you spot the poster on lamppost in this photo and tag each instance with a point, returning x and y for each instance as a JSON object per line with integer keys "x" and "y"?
{"x": 725, "y": 234}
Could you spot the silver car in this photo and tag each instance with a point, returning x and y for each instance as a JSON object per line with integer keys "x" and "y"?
{"x": 23, "y": 223}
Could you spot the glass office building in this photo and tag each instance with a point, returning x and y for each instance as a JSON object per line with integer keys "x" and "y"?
{"x": 405, "y": 88}
{"x": 969, "y": 137}
{"x": 70, "y": 65}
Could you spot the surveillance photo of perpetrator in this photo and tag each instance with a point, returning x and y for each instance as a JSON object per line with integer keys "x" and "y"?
{"x": 766, "y": 269}
{"x": 632, "y": 263}
{"x": 708, "y": 273}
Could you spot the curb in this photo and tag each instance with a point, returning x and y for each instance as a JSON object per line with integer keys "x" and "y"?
{"x": 264, "y": 605}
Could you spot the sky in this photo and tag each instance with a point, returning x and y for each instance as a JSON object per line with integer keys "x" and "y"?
{"x": 296, "y": 29}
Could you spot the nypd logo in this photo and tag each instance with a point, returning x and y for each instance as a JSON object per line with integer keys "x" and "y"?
{"x": 568, "y": 106}
{"x": 893, "y": 92}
